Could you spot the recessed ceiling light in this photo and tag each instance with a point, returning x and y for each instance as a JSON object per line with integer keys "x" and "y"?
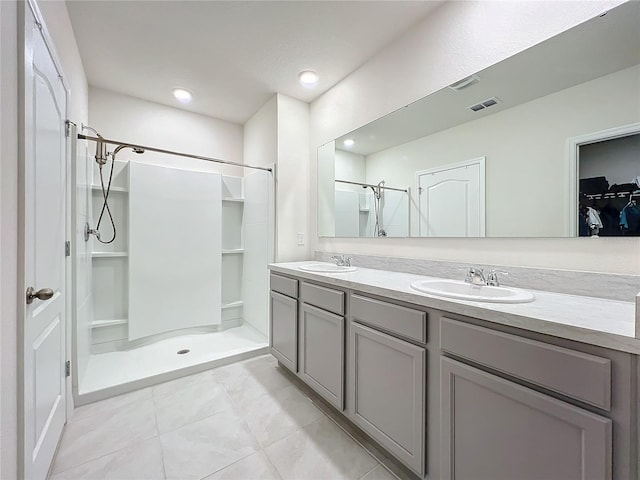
{"x": 308, "y": 78}
{"x": 349, "y": 142}
{"x": 182, "y": 95}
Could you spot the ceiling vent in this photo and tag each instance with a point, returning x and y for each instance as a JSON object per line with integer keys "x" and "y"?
{"x": 490, "y": 102}
{"x": 464, "y": 83}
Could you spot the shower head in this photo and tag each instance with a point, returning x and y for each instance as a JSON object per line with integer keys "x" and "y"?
{"x": 134, "y": 149}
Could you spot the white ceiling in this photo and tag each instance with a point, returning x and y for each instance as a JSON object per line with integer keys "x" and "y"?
{"x": 232, "y": 55}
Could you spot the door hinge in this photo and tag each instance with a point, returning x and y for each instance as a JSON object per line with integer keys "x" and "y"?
{"x": 67, "y": 248}
{"x": 67, "y": 368}
{"x": 67, "y": 126}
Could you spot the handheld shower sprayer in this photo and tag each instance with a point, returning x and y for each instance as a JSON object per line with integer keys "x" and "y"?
{"x": 101, "y": 149}
{"x": 101, "y": 157}
{"x": 378, "y": 231}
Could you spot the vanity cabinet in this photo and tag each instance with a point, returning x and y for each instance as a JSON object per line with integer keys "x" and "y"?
{"x": 388, "y": 385}
{"x": 283, "y": 338}
{"x": 456, "y": 397}
{"x": 495, "y": 429}
{"x": 322, "y": 341}
{"x": 387, "y": 376}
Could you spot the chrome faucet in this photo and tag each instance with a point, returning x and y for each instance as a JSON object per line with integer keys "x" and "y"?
{"x": 492, "y": 278}
{"x": 475, "y": 276}
{"x": 342, "y": 260}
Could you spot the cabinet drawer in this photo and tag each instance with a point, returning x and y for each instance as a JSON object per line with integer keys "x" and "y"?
{"x": 322, "y": 297}
{"x": 575, "y": 374}
{"x": 393, "y": 318}
{"x": 286, "y": 286}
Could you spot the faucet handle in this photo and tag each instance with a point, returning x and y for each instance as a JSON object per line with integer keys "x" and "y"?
{"x": 342, "y": 260}
{"x": 492, "y": 278}
{"x": 475, "y": 276}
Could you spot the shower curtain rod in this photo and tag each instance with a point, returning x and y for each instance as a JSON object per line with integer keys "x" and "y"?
{"x": 170, "y": 152}
{"x": 374, "y": 186}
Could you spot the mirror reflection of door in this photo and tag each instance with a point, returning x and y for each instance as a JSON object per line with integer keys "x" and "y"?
{"x": 452, "y": 201}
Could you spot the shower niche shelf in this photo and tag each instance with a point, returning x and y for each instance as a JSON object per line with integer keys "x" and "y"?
{"x": 108, "y": 323}
{"x": 233, "y": 258}
{"x": 98, "y": 188}
{"x": 236, "y": 304}
{"x": 109, "y": 254}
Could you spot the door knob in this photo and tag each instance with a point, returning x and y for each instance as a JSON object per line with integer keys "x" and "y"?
{"x": 42, "y": 294}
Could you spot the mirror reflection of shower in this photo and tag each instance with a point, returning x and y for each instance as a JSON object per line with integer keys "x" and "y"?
{"x": 378, "y": 203}
{"x": 379, "y": 211}
{"x": 102, "y": 156}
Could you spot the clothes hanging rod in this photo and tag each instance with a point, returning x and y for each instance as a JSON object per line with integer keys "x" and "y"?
{"x": 610, "y": 195}
{"x": 170, "y": 152}
{"x": 374, "y": 186}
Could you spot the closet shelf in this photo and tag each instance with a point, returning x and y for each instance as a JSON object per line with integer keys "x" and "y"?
{"x": 109, "y": 254}
{"x": 232, "y": 251}
{"x": 109, "y": 323}
{"x": 236, "y": 304}
{"x": 112, "y": 190}
{"x": 233, "y": 200}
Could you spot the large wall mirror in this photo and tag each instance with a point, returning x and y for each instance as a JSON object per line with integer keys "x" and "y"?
{"x": 543, "y": 144}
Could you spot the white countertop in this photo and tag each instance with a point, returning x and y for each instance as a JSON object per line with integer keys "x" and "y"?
{"x": 595, "y": 321}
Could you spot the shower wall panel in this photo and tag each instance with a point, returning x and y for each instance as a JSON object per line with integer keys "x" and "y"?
{"x": 82, "y": 172}
{"x": 174, "y": 249}
{"x": 258, "y": 248}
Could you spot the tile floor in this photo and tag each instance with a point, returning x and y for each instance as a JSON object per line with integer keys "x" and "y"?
{"x": 242, "y": 421}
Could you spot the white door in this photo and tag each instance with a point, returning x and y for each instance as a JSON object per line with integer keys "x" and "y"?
{"x": 43, "y": 376}
{"x": 452, "y": 200}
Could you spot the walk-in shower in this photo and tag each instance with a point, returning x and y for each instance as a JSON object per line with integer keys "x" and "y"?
{"x": 179, "y": 283}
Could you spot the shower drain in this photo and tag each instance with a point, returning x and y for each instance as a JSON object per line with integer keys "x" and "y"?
{"x": 183, "y": 351}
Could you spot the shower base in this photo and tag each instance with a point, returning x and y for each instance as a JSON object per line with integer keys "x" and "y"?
{"x": 114, "y": 373}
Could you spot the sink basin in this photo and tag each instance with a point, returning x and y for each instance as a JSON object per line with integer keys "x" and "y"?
{"x": 326, "y": 268}
{"x": 475, "y": 293}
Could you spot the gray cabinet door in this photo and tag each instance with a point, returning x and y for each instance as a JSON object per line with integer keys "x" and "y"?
{"x": 322, "y": 353}
{"x": 284, "y": 330}
{"x": 494, "y": 429}
{"x": 387, "y": 380}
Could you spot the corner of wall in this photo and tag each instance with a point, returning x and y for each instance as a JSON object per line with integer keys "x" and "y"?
{"x": 294, "y": 180}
